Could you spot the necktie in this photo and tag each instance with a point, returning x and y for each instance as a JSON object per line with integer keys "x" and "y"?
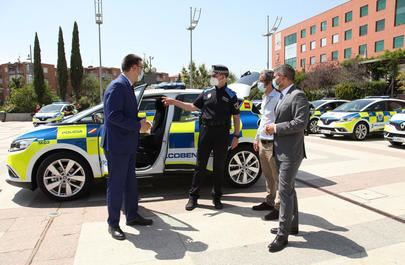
{"x": 280, "y": 99}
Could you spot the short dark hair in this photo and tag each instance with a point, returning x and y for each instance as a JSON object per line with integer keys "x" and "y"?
{"x": 286, "y": 70}
{"x": 129, "y": 61}
{"x": 268, "y": 75}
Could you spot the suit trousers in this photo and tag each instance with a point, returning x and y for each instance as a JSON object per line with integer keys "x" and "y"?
{"x": 288, "y": 216}
{"x": 215, "y": 139}
{"x": 270, "y": 172}
{"x": 122, "y": 187}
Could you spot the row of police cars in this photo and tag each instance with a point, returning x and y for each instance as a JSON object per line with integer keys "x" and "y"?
{"x": 64, "y": 156}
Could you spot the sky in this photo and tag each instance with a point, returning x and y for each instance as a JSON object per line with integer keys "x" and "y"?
{"x": 228, "y": 33}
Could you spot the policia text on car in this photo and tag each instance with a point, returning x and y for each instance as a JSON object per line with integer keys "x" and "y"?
{"x": 217, "y": 105}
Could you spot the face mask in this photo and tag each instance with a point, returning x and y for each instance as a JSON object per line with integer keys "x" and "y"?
{"x": 275, "y": 85}
{"x": 214, "y": 81}
{"x": 261, "y": 87}
{"x": 140, "y": 76}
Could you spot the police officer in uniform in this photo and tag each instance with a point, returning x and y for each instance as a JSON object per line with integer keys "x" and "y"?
{"x": 217, "y": 105}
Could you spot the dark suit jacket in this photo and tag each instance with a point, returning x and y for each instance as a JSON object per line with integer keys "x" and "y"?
{"x": 121, "y": 125}
{"x": 291, "y": 120}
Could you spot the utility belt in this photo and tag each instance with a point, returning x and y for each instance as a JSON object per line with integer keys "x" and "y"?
{"x": 214, "y": 123}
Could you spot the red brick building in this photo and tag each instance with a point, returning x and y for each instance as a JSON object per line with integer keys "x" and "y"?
{"x": 358, "y": 27}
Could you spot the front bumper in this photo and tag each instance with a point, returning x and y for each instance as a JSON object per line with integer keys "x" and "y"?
{"x": 394, "y": 135}
{"x": 338, "y": 128}
{"x": 15, "y": 180}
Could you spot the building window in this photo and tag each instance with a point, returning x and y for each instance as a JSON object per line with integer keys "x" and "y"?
{"x": 363, "y": 50}
{"x": 335, "y": 56}
{"x": 292, "y": 62}
{"x": 400, "y": 12}
{"x": 380, "y": 5}
{"x": 379, "y": 46}
{"x": 380, "y": 25}
{"x": 335, "y": 22}
{"x": 312, "y": 30}
{"x": 399, "y": 42}
{"x": 312, "y": 60}
{"x": 290, "y": 39}
{"x": 348, "y": 34}
{"x": 303, "y": 48}
{"x": 45, "y": 70}
{"x": 313, "y": 45}
{"x": 323, "y": 25}
{"x": 364, "y": 11}
{"x": 349, "y": 16}
{"x": 323, "y": 58}
{"x": 363, "y": 30}
{"x": 348, "y": 53}
{"x": 335, "y": 38}
{"x": 323, "y": 42}
{"x": 303, "y": 33}
{"x": 302, "y": 63}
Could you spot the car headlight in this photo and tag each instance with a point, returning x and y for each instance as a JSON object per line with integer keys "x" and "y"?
{"x": 346, "y": 119}
{"x": 18, "y": 145}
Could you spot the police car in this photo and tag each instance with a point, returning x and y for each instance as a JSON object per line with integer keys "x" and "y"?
{"x": 54, "y": 112}
{"x": 360, "y": 118}
{"x": 63, "y": 159}
{"x": 394, "y": 131}
{"x": 319, "y": 107}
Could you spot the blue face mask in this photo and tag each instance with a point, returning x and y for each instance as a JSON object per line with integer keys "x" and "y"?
{"x": 261, "y": 87}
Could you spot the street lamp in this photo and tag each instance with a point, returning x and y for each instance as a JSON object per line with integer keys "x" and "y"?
{"x": 98, "y": 11}
{"x": 194, "y": 19}
{"x": 269, "y": 33}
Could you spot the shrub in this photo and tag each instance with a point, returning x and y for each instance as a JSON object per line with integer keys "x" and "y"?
{"x": 348, "y": 91}
{"x": 375, "y": 88}
{"x": 22, "y": 100}
{"x": 314, "y": 94}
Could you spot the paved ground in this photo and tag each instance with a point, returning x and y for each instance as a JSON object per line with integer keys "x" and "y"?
{"x": 351, "y": 201}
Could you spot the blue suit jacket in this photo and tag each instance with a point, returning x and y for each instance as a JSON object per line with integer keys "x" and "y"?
{"x": 121, "y": 125}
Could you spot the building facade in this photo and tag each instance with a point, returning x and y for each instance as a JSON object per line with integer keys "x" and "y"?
{"x": 364, "y": 28}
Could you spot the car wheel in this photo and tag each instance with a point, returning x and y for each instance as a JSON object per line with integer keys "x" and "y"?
{"x": 328, "y": 135}
{"x": 64, "y": 176}
{"x": 360, "y": 131}
{"x": 395, "y": 143}
{"x": 313, "y": 126}
{"x": 243, "y": 167}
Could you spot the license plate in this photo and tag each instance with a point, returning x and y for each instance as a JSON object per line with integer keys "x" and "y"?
{"x": 325, "y": 131}
{"x": 398, "y": 139}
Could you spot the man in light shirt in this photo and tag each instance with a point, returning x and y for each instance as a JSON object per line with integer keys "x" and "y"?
{"x": 264, "y": 145}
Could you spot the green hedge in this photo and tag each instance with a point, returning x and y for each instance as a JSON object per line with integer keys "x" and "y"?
{"x": 351, "y": 91}
{"x": 314, "y": 94}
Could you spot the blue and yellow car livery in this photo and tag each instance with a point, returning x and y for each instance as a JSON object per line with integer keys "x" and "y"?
{"x": 319, "y": 107}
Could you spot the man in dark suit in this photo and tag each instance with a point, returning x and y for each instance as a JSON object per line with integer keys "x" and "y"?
{"x": 292, "y": 112}
{"x": 120, "y": 141}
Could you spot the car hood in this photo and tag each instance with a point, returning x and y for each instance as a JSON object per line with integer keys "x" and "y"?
{"x": 41, "y": 132}
{"x": 243, "y": 85}
{"x": 46, "y": 114}
{"x": 338, "y": 115}
{"x": 398, "y": 118}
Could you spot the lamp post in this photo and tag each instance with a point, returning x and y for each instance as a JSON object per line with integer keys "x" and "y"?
{"x": 98, "y": 11}
{"x": 194, "y": 19}
{"x": 269, "y": 33}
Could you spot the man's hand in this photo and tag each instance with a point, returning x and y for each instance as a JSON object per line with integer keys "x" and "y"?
{"x": 256, "y": 145}
{"x": 234, "y": 143}
{"x": 270, "y": 128}
{"x": 168, "y": 101}
{"x": 145, "y": 126}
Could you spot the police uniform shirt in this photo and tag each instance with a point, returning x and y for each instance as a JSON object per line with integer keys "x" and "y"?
{"x": 217, "y": 105}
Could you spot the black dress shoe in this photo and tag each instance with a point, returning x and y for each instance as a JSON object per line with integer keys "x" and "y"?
{"x": 139, "y": 220}
{"x": 278, "y": 244}
{"x": 116, "y": 233}
{"x": 262, "y": 207}
{"x": 294, "y": 231}
{"x": 217, "y": 204}
{"x": 191, "y": 204}
{"x": 273, "y": 215}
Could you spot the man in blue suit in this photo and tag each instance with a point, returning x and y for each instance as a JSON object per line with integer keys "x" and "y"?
{"x": 120, "y": 141}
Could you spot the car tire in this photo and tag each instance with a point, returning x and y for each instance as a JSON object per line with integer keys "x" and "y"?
{"x": 243, "y": 167}
{"x": 395, "y": 143}
{"x": 328, "y": 135}
{"x": 60, "y": 185}
{"x": 313, "y": 126}
{"x": 360, "y": 131}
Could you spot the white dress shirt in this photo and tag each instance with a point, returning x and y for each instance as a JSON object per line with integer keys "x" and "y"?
{"x": 269, "y": 103}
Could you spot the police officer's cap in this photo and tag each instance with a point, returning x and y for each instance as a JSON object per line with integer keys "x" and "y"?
{"x": 219, "y": 69}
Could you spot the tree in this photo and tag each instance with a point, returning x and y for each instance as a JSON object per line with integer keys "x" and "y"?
{"x": 91, "y": 91}
{"x": 323, "y": 77}
{"x": 76, "y": 67}
{"x": 401, "y": 82}
{"x": 39, "y": 81}
{"x": 62, "y": 70}
{"x": 22, "y": 100}
{"x": 16, "y": 82}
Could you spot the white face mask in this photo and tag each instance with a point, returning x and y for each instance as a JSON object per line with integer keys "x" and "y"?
{"x": 214, "y": 81}
{"x": 275, "y": 85}
{"x": 140, "y": 76}
{"x": 261, "y": 87}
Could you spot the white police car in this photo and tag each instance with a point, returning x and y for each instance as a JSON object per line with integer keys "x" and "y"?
{"x": 53, "y": 113}
{"x": 394, "y": 131}
{"x": 62, "y": 159}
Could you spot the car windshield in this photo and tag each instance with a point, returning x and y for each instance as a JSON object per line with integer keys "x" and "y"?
{"x": 51, "y": 108}
{"x": 82, "y": 114}
{"x": 354, "y": 106}
{"x": 317, "y": 103}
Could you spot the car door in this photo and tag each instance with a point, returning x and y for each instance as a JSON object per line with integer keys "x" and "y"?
{"x": 377, "y": 117}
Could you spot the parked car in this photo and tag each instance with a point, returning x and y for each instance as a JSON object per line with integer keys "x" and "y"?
{"x": 53, "y": 113}
{"x": 394, "y": 131}
{"x": 360, "y": 118}
{"x": 319, "y": 107}
{"x": 63, "y": 159}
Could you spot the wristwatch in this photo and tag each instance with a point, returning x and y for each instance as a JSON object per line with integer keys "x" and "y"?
{"x": 236, "y": 136}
